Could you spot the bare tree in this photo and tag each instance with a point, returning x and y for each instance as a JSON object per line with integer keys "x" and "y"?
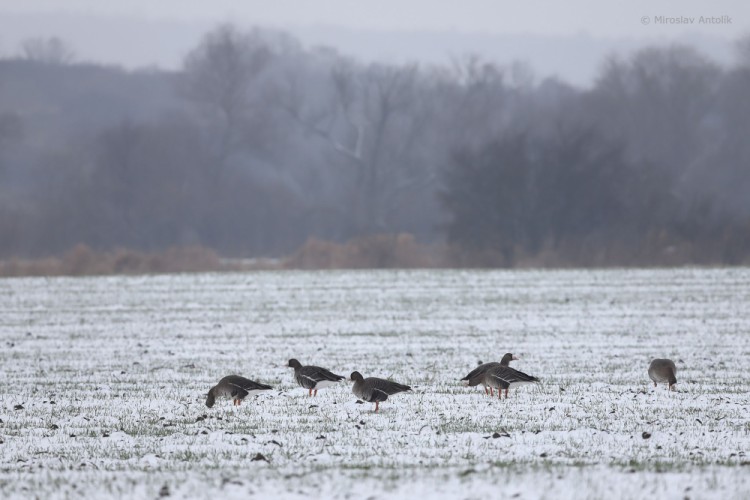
{"x": 220, "y": 74}
{"x": 372, "y": 122}
{"x": 475, "y": 102}
{"x": 743, "y": 51}
{"x": 11, "y": 127}
{"x": 11, "y": 131}
{"x": 661, "y": 98}
{"x": 47, "y": 51}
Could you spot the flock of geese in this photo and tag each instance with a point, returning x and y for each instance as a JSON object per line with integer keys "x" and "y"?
{"x": 493, "y": 376}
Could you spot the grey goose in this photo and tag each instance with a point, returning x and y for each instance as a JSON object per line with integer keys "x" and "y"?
{"x": 313, "y": 378}
{"x": 505, "y": 377}
{"x": 375, "y": 390}
{"x": 476, "y": 376}
{"x": 663, "y": 371}
{"x": 235, "y": 387}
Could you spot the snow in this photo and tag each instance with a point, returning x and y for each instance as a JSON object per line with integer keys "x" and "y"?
{"x": 112, "y": 375}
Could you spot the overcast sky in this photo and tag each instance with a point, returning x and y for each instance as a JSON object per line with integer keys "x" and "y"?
{"x": 565, "y": 38}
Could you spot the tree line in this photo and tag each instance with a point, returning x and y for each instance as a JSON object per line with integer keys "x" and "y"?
{"x": 257, "y": 145}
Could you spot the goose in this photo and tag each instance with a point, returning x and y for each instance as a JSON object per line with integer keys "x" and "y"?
{"x": 476, "y": 376}
{"x": 505, "y": 377}
{"x": 663, "y": 370}
{"x": 313, "y": 378}
{"x": 235, "y": 387}
{"x": 375, "y": 390}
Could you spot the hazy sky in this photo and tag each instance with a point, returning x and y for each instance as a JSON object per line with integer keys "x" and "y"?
{"x": 546, "y": 33}
{"x": 598, "y": 17}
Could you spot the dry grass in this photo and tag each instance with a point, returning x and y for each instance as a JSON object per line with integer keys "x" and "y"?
{"x": 380, "y": 251}
{"x": 82, "y": 260}
{"x": 391, "y": 251}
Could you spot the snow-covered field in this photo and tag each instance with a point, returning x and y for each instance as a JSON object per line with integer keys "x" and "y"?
{"x": 103, "y": 383}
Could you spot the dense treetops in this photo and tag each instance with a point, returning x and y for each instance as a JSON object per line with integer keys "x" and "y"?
{"x": 258, "y": 145}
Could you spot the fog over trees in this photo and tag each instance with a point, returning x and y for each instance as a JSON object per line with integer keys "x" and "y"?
{"x": 259, "y": 145}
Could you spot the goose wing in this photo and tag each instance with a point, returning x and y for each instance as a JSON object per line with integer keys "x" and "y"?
{"x": 508, "y": 375}
{"x": 476, "y": 375}
{"x": 374, "y": 395}
{"x": 235, "y": 382}
{"x": 238, "y": 392}
{"x": 379, "y": 386}
{"x": 318, "y": 374}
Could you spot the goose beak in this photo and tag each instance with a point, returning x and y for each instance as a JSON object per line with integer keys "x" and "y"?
{"x": 515, "y": 358}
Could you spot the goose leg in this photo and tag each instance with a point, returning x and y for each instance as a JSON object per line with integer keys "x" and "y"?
{"x": 309, "y": 392}
{"x": 376, "y": 406}
{"x": 491, "y": 393}
{"x": 506, "y": 393}
{"x": 316, "y": 392}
